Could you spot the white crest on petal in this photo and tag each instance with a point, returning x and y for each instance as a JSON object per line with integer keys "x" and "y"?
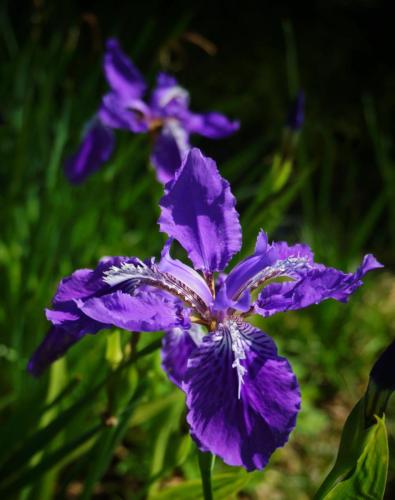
{"x": 128, "y": 271}
{"x": 237, "y": 342}
{"x": 239, "y": 353}
{"x": 195, "y": 332}
{"x": 175, "y": 92}
{"x": 134, "y": 275}
{"x": 174, "y": 127}
{"x": 285, "y": 268}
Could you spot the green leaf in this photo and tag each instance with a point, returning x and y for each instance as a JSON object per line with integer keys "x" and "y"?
{"x": 151, "y": 409}
{"x": 350, "y": 448}
{"x": 224, "y": 486}
{"x": 361, "y": 466}
{"x": 166, "y": 439}
{"x": 281, "y": 170}
{"x": 370, "y": 475}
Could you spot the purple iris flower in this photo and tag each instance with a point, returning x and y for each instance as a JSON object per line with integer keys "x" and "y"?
{"x": 165, "y": 116}
{"x": 242, "y": 396}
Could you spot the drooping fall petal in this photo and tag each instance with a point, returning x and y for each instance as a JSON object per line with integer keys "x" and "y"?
{"x": 242, "y": 397}
{"x": 95, "y": 150}
{"x": 312, "y": 287}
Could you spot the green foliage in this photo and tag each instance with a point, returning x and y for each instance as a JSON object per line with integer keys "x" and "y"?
{"x": 366, "y": 478}
{"x": 224, "y": 486}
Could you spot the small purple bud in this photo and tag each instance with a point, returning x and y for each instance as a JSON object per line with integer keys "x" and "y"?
{"x": 383, "y": 371}
{"x": 295, "y": 117}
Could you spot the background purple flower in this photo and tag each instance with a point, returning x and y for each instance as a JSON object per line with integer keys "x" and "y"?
{"x": 295, "y": 117}
{"x": 96, "y": 148}
{"x": 165, "y": 116}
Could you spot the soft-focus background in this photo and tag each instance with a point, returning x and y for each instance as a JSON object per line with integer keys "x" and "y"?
{"x": 247, "y": 60}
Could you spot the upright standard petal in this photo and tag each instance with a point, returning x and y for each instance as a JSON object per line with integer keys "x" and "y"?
{"x": 171, "y": 143}
{"x": 242, "y": 397}
{"x": 168, "y": 97}
{"x": 212, "y": 125}
{"x": 122, "y": 76}
{"x": 312, "y": 287}
{"x": 198, "y": 210}
{"x": 143, "y": 312}
{"x": 177, "y": 346}
{"x": 95, "y": 149}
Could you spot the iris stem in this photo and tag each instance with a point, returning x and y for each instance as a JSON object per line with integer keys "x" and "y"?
{"x": 133, "y": 343}
{"x": 206, "y": 465}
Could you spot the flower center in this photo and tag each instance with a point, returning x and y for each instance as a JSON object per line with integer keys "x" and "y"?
{"x": 155, "y": 124}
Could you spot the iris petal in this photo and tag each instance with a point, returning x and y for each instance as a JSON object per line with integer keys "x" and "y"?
{"x": 96, "y": 148}
{"x": 143, "y": 312}
{"x": 268, "y": 261}
{"x": 177, "y": 346}
{"x": 186, "y": 274}
{"x": 70, "y": 323}
{"x": 212, "y": 125}
{"x": 70, "y": 326}
{"x": 123, "y": 77}
{"x": 198, "y": 210}
{"x": 169, "y": 276}
{"x": 315, "y": 285}
{"x": 170, "y": 147}
{"x": 132, "y": 115}
{"x": 168, "y": 98}
{"x": 84, "y": 283}
{"x": 241, "y": 430}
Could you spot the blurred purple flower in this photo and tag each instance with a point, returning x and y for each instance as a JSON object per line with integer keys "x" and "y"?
{"x": 165, "y": 116}
{"x": 242, "y": 397}
{"x": 295, "y": 117}
{"x": 95, "y": 149}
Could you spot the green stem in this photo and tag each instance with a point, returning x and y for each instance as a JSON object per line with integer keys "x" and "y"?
{"x": 206, "y": 464}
